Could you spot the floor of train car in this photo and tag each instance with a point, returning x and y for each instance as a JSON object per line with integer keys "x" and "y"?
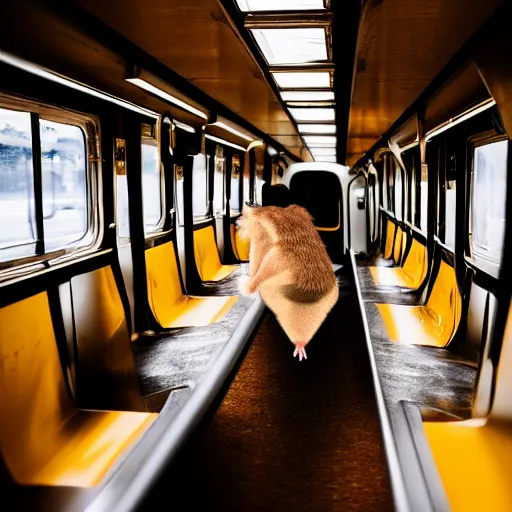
{"x": 440, "y": 381}
{"x": 289, "y": 434}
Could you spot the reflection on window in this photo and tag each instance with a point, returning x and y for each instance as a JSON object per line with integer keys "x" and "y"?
{"x": 200, "y": 186}
{"x": 488, "y": 203}
{"x": 449, "y": 221}
{"x": 398, "y": 193}
{"x": 122, "y": 211}
{"x": 17, "y": 224}
{"x": 64, "y": 172}
{"x": 258, "y": 193}
{"x": 151, "y": 186}
{"x": 218, "y": 186}
{"x": 235, "y": 184}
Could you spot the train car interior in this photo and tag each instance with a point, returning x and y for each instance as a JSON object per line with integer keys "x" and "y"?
{"x": 135, "y": 374}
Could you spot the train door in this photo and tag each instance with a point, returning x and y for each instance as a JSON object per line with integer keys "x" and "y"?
{"x": 357, "y": 214}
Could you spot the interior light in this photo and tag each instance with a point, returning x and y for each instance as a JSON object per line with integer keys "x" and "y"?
{"x": 317, "y": 128}
{"x": 312, "y": 114}
{"x": 307, "y": 95}
{"x": 39, "y": 71}
{"x": 234, "y": 131}
{"x": 291, "y": 45}
{"x": 302, "y": 79}
{"x": 184, "y": 126}
{"x": 323, "y": 151}
{"x": 280, "y": 5}
{"x": 166, "y": 96}
{"x": 225, "y": 142}
{"x": 331, "y": 159}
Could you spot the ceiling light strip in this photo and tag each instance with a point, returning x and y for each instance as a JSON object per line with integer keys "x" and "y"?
{"x": 143, "y": 84}
{"x": 234, "y": 131}
{"x": 41, "y": 72}
{"x": 225, "y": 142}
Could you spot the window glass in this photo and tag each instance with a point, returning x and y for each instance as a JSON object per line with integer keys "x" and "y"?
{"x": 258, "y": 192}
{"x": 64, "y": 178}
{"x": 218, "y": 185}
{"x": 398, "y": 190}
{"x": 488, "y": 203}
{"x": 385, "y": 203}
{"x": 449, "y": 221}
{"x": 152, "y": 195}
{"x": 17, "y": 223}
{"x": 412, "y": 192}
{"x": 391, "y": 184}
{"x": 235, "y": 185}
{"x": 200, "y": 186}
{"x": 247, "y": 179}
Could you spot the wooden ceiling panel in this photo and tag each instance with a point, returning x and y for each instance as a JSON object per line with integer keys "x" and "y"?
{"x": 195, "y": 39}
{"x": 402, "y": 45}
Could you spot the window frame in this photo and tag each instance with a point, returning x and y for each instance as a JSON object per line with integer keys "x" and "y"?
{"x": 159, "y": 227}
{"x": 488, "y": 267}
{"x": 91, "y": 131}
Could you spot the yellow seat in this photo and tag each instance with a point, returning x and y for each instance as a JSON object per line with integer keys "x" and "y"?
{"x": 207, "y": 256}
{"x": 397, "y": 250}
{"x": 44, "y": 439}
{"x": 390, "y": 237}
{"x": 170, "y": 307}
{"x": 474, "y": 460}
{"x": 240, "y": 245}
{"x": 411, "y": 275}
{"x": 433, "y": 324}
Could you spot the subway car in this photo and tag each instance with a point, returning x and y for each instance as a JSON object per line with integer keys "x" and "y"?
{"x": 134, "y": 375}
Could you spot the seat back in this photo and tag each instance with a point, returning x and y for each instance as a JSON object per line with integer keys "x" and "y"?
{"x": 164, "y": 284}
{"x": 240, "y": 245}
{"x": 34, "y": 400}
{"x": 390, "y": 237}
{"x": 397, "y": 251}
{"x": 416, "y": 263}
{"x": 206, "y": 253}
{"x": 445, "y": 303}
{"x": 105, "y": 366}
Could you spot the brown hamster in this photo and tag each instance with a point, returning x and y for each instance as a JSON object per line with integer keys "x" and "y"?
{"x": 290, "y": 267}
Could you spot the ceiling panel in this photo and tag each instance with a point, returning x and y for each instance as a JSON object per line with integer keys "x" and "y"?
{"x": 196, "y": 40}
{"x": 402, "y": 45}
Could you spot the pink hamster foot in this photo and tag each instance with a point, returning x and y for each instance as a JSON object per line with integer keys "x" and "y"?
{"x": 300, "y": 350}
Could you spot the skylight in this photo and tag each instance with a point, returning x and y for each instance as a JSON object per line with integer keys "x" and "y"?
{"x": 317, "y": 128}
{"x": 317, "y": 152}
{"x": 332, "y": 159}
{"x": 291, "y": 45}
{"x": 280, "y": 5}
{"x": 318, "y": 141}
{"x": 312, "y": 114}
{"x": 302, "y": 79}
{"x": 307, "y": 95}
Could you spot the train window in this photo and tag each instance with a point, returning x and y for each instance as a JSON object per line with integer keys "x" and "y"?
{"x": 398, "y": 190}
{"x": 218, "y": 182}
{"x": 64, "y": 172}
{"x": 247, "y": 179}
{"x": 258, "y": 189}
{"x": 17, "y": 222}
{"x": 152, "y": 179}
{"x": 234, "y": 202}
{"x": 450, "y": 187}
{"x": 488, "y": 200}
{"x": 391, "y": 183}
{"x": 200, "y": 206}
